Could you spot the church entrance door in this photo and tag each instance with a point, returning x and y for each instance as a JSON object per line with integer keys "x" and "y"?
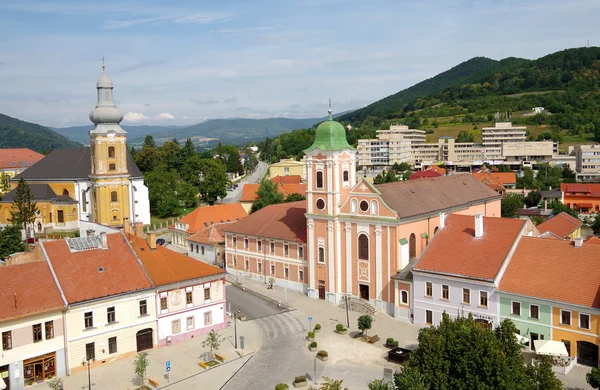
{"x": 364, "y": 291}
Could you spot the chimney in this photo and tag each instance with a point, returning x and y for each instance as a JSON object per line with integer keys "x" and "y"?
{"x": 442, "y": 220}
{"x": 104, "y": 240}
{"x": 578, "y": 242}
{"x": 478, "y": 225}
{"x": 151, "y": 239}
{"x": 90, "y": 232}
{"x": 139, "y": 229}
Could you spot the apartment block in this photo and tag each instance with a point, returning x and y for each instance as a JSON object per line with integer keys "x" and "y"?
{"x": 587, "y": 162}
{"x": 492, "y": 138}
{"x": 390, "y": 147}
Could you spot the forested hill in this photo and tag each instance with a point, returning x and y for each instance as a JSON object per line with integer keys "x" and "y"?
{"x": 15, "y": 133}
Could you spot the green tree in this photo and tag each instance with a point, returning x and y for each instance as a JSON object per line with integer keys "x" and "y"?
{"x": 149, "y": 158}
{"x": 540, "y": 375}
{"x": 465, "y": 136}
{"x": 533, "y": 198}
{"x": 410, "y": 378}
{"x": 593, "y": 378}
{"x": 510, "y": 204}
{"x": 188, "y": 149}
{"x": 527, "y": 180}
{"x": 55, "y": 384}
{"x": 233, "y": 162}
{"x": 149, "y": 141}
{"x": 268, "y": 194}
{"x": 214, "y": 182}
{"x": 213, "y": 341}
{"x": 173, "y": 154}
{"x": 596, "y": 225}
{"x": 558, "y": 207}
{"x": 294, "y": 197}
{"x": 23, "y": 209}
{"x": 567, "y": 173}
{"x": 380, "y": 384}
{"x": 140, "y": 365}
{"x": 11, "y": 241}
{"x": 504, "y": 168}
{"x": 379, "y": 179}
{"x": 169, "y": 193}
{"x": 365, "y": 322}
{"x": 332, "y": 384}
{"x": 390, "y": 177}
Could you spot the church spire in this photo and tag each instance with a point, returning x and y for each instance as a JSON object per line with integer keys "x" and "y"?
{"x": 106, "y": 116}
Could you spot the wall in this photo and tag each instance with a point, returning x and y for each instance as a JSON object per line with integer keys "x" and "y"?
{"x": 141, "y": 202}
{"x": 194, "y": 250}
{"x": 574, "y": 333}
{"x": 524, "y": 323}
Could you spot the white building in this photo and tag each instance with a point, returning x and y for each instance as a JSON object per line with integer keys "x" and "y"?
{"x": 587, "y": 163}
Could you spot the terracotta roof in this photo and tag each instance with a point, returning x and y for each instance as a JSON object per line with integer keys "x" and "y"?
{"x": 438, "y": 169}
{"x": 211, "y": 235}
{"x": 588, "y": 189}
{"x": 424, "y": 175}
{"x": 35, "y": 289}
{"x": 562, "y": 273}
{"x": 501, "y": 178}
{"x": 292, "y": 179}
{"x": 250, "y": 191}
{"x": 593, "y": 241}
{"x": 19, "y": 158}
{"x": 299, "y": 188}
{"x": 79, "y": 275}
{"x": 205, "y": 216}
{"x": 422, "y": 197}
{"x": 479, "y": 258}
{"x": 166, "y": 266}
{"x": 285, "y": 221}
{"x": 561, "y": 225}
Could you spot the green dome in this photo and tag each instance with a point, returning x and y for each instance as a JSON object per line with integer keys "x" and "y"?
{"x": 330, "y": 135}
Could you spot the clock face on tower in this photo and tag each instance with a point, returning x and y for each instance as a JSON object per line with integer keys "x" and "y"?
{"x": 320, "y": 204}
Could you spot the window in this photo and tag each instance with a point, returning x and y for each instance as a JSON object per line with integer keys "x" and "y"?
{"x": 568, "y": 346}
{"x": 373, "y": 207}
{"x": 234, "y": 261}
{"x": 112, "y": 167}
{"x": 428, "y": 317}
{"x": 345, "y": 176}
{"x": 258, "y": 246}
{"x": 84, "y": 201}
{"x": 300, "y": 252}
{"x": 286, "y": 250}
{"x": 584, "y": 321}
{"x": 412, "y": 246}
{"x": 111, "y": 151}
{"x": 61, "y": 216}
{"x": 234, "y": 241}
{"x": 111, "y": 315}
{"x": 6, "y": 340}
{"x": 516, "y": 308}
{"x": 363, "y": 247}
{"x": 260, "y": 268}
{"x": 208, "y": 318}
{"x": 245, "y": 243}
{"x": 286, "y": 272}
{"x": 90, "y": 351}
{"x": 272, "y": 245}
{"x": 565, "y": 317}
{"x": 534, "y": 311}
{"x": 176, "y": 326}
{"x": 50, "y": 217}
{"x": 206, "y": 294}
{"x": 113, "y": 196}
{"x": 49, "y": 325}
{"x": 319, "y": 179}
{"x": 353, "y": 205}
{"x": 300, "y": 276}
{"x": 320, "y": 204}
{"x": 163, "y": 303}
{"x": 429, "y": 289}
{"x": 88, "y": 319}
{"x": 483, "y": 298}
{"x": 364, "y": 205}
{"x": 246, "y": 265}
{"x": 112, "y": 345}
{"x": 188, "y": 298}
{"x": 445, "y": 292}
{"x": 144, "y": 307}
{"x": 404, "y": 297}
{"x": 321, "y": 254}
{"x": 466, "y": 296}
{"x": 272, "y": 269}
{"x": 190, "y": 323}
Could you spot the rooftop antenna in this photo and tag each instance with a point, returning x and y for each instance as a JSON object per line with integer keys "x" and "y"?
{"x": 330, "y": 110}
{"x": 103, "y": 66}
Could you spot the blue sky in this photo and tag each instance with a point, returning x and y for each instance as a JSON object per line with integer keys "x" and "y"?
{"x": 181, "y": 62}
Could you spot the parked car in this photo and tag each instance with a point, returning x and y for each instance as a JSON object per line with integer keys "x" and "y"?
{"x": 235, "y": 186}
{"x": 160, "y": 241}
{"x": 32, "y": 240}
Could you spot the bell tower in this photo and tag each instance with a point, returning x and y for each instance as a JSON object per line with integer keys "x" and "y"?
{"x": 108, "y": 149}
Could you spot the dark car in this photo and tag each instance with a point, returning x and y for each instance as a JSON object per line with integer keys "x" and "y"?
{"x": 32, "y": 240}
{"x": 235, "y": 186}
{"x": 160, "y": 241}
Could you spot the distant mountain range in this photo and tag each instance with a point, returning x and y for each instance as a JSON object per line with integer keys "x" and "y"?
{"x": 15, "y": 133}
{"x": 135, "y": 133}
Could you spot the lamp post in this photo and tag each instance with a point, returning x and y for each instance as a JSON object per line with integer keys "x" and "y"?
{"x": 87, "y": 359}
{"x": 235, "y": 326}
{"x": 347, "y": 315}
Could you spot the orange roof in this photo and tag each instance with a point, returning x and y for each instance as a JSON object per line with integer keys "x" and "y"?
{"x": 166, "y": 266}
{"x": 561, "y": 225}
{"x": 20, "y": 158}
{"x": 28, "y": 289}
{"x": 79, "y": 273}
{"x": 501, "y": 178}
{"x": 298, "y": 188}
{"x": 424, "y": 175}
{"x": 581, "y": 189}
{"x": 438, "y": 169}
{"x": 293, "y": 179}
{"x": 208, "y": 215}
{"x": 250, "y": 191}
{"x": 210, "y": 235}
{"x": 593, "y": 241}
{"x": 479, "y": 258}
{"x": 285, "y": 221}
{"x": 562, "y": 273}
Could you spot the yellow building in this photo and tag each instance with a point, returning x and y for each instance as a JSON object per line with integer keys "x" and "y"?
{"x": 13, "y": 162}
{"x": 287, "y": 167}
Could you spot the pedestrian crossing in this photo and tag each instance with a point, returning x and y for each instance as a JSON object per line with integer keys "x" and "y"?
{"x": 277, "y": 325}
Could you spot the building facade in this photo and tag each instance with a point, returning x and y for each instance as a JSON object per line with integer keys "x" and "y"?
{"x": 583, "y": 197}
{"x": 587, "y": 162}
{"x": 287, "y": 167}
{"x": 14, "y": 161}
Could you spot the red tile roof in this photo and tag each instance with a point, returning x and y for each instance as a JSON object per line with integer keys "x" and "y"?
{"x": 479, "y": 258}
{"x": 438, "y": 169}
{"x": 35, "y": 289}
{"x": 20, "y": 158}
{"x": 249, "y": 192}
{"x": 205, "y": 216}
{"x": 293, "y": 179}
{"x": 166, "y": 266}
{"x": 500, "y": 178}
{"x": 554, "y": 270}
{"x": 561, "y": 225}
{"x": 78, "y": 272}
{"x": 211, "y": 235}
{"x": 424, "y": 175}
{"x": 592, "y": 190}
{"x": 593, "y": 241}
{"x": 285, "y": 221}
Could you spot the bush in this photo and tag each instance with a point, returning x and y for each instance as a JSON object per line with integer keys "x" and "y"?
{"x": 318, "y": 327}
{"x": 300, "y": 379}
{"x": 311, "y": 335}
{"x": 313, "y": 344}
{"x": 389, "y": 341}
{"x": 281, "y": 386}
{"x": 364, "y": 322}
{"x": 322, "y": 353}
{"x": 339, "y": 327}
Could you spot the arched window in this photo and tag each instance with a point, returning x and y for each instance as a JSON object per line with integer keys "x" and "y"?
{"x": 111, "y": 151}
{"x": 113, "y": 196}
{"x": 412, "y": 246}
{"x": 363, "y": 247}
{"x": 353, "y": 205}
{"x": 374, "y": 207}
{"x": 436, "y": 229}
{"x": 319, "y": 179}
{"x": 321, "y": 254}
{"x": 404, "y": 297}
{"x": 84, "y": 201}
{"x": 345, "y": 176}
{"x": 112, "y": 167}
{"x": 65, "y": 192}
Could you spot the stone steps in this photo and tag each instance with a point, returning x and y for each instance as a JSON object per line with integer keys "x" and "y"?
{"x": 361, "y": 306}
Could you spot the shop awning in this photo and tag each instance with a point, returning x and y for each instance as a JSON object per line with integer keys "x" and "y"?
{"x": 521, "y": 339}
{"x": 584, "y": 205}
{"x": 550, "y": 348}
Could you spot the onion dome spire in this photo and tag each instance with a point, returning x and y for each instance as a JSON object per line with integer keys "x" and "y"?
{"x": 106, "y": 114}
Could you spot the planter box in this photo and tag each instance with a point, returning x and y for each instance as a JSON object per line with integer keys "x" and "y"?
{"x": 342, "y": 332}
{"x": 300, "y": 384}
{"x": 322, "y": 358}
{"x": 312, "y": 349}
{"x": 310, "y": 339}
{"x": 395, "y": 345}
{"x": 317, "y": 330}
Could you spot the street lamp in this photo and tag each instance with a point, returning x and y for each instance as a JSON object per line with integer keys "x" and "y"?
{"x": 87, "y": 359}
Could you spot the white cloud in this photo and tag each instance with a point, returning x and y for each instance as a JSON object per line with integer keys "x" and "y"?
{"x": 135, "y": 117}
{"x": 163, "y": 116}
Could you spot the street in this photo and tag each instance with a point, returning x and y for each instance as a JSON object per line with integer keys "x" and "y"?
{"x": 251, "y": 305}
{"x": 234, "y": 195}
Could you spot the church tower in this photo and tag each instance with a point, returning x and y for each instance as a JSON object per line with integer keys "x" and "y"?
{"x": 331, "y": 174}
{"x": 108, "y": 149}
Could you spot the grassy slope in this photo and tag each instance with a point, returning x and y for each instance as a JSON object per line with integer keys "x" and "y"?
{"x": 15, "y": 133}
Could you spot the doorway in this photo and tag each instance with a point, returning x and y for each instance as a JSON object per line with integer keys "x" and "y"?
{"x": 534, "y": 336}
{"x": 482, "y": 322}
{"x": 321, "y": 290}
{"x": 587, "y": 354}
{"x": 364, "y": 291}
{"x": 4, "y": 376}
{"x": 144, "y": 339}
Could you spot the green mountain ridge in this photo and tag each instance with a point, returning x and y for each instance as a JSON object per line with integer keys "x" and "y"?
{"x": 15, "y": 133}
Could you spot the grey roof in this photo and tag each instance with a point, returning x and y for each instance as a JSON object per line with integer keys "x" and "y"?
{"x": 40, "y": 192}
{"x": 71, "y": 164}
{"x": 551, "y": 194}
{"x": 406, "y": 273}
{"x": 427, "y": 197}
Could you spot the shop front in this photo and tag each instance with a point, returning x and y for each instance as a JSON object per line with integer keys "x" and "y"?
{"x": 39, "y": 368}
{"x": 4, "y": 377}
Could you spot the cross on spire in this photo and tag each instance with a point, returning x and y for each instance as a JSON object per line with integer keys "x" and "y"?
{"x": 103, "y": 66}
{"x": 330, "y": 110}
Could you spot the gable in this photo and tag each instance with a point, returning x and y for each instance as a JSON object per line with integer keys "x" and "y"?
{"x": 365, "y": 191}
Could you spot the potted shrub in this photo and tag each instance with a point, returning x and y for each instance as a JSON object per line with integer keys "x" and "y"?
{"x": 312, "y": 346}
{"x": 282, "y": 386}
{"x": 317, "y": 327}
{"x": 311, "y": 336}
{"x": 391, "y": 343}
{"x": 340, "y": 329}
{"x": 322, "y": 355}
{"x": 300, "y": 381}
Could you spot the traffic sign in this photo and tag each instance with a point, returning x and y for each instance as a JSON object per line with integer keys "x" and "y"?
{"x": 168, "y": 365}
{"x": 310, "y": 318}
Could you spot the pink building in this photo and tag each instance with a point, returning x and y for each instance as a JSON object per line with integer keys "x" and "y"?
{"x": 349, "y": 236}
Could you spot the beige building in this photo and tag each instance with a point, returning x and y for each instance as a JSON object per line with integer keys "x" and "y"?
{"x": 390, "y": 147}
{"x": 287, "y": 167}
{"x": 587, "y": 162}
{"x": 492, "y": 138}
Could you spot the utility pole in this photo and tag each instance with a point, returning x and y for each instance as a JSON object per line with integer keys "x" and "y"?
{"x": 89, "y": 374}
{"x": 235, "y": 326}
{"x": 347, "y": 315}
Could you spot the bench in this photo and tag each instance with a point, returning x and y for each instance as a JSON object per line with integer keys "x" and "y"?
{"x": 153, "y": 382}
{"x": 203, "y": 365}
{"x": 359, "y": 334}
{"x": 373, "y": 339}
{"x": 220, "y": 358}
